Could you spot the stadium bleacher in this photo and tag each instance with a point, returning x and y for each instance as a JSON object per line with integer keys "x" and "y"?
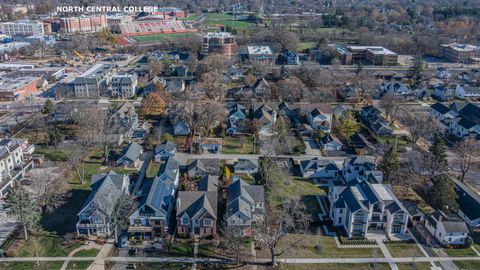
{"x": 142, "y": 28}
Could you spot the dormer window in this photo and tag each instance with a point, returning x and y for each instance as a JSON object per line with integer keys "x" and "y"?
{"x": 185, "y": 220}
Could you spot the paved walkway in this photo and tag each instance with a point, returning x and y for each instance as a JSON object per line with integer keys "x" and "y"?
{"x": 99, "y": 261}
{"x": 386, "y": 253}
{"x": 254, "y": 256}
{"x": 87, "y": 246}
{"x": 447, "y": 264}
{"x": 195, "y": 252}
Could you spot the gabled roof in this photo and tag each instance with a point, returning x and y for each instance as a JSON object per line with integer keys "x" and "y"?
{"x": 243, "y": 162}
{"x": 193, "y": 202}
{"x": 158, "y": 194}
{"x": 240, "y": 195}
{"x": 133, "y": 151}
{"x": 169, "y": 169}
{"x": 106, "y": 189}
{"x": 167, "y": 146}
{"x": 468, "y": 201}
{"x": 467, "y": 124}
{"x": 439, "y": 107}
{"x": 471, "y": 112}
{"x": 263, "y": 114}
{"x": 208, "y": 183}
{"x": 316, "y": 164}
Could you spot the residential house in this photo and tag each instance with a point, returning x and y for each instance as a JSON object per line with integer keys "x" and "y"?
{"x": 156, "y": 202}
{"x": 181, "y": 128}
{"x": 237, "y": 114}
{"x": 290, "y": 58}
{"x": 165, "y": 150}
{"x": 396, "y": 88}
{"x": 467, "y": 91}
{"x": 316, "y": 168}
{"x": 330, "y": 143}
{"x": 447, "y": 229}
{"x": 197, "y": 210}
{"x": 262, "y": 89}
{"x": 361, "y": 206}
{"x": 443, "y": 73}
{"x": 361, "y": 144}
{"x": 467, "y": 123}
{"x": 266, "y": 118}
{"x": 348, "y": 94}
{"x": 203, "y": 167}
{"x": 212, "y": 145}
{"x": 361, "y": 168}
{"x": 131, "y": 156}
{"x": 95, "y": 216}
{"x": 320, "y": 117}
{"x": 244, "y": 165}
{"x": 153, "y": 85}
{"x": 123, "y": 122}
{"x": 341, "y": 110}
{"x": 372, "y": 116}
{"x": 468, "y": 204}
{"x": 174, "y": 85}
{"x": 443, "y": 92}
{"x": 245, "y": 205}
{"x": 442, "y": 112}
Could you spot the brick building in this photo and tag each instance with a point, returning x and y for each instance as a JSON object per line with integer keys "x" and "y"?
{"x": 461, "y": 53}
{"x": 221, "y": 43}
{"x": 82, "y": 23}
{"x": 13, "y": 89}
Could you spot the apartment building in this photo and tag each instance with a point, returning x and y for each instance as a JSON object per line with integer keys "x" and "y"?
{"x": 221, "y": 43}
{"x": 361, "y": 206}
{"x": 461, "y": 53}
{"x": 22, "y": 27}
{"x": 376, "y": 55}
{"x": 93, "y": 81}
{"x": 261, "y": 54}
{"x": 123, "y": 85}
{"x": 93, "y": 23}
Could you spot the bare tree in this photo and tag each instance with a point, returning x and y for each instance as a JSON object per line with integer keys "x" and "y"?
{"x": 291, "y": 89}
{"x": 212, "y": 83}
{"x": 278, "y": 223}
{"x": 466, "y": 156}
{"x": 155, "y": 67}
{"x": 123, "y": 208}
{"x": 48, "y": 185}
{"x": 211, "y": 115}
{"x": 418, "y": 125}
{"x": 391, "y": 104}
{"x": 76, "y": 158}
{"x": 233, "y": 242}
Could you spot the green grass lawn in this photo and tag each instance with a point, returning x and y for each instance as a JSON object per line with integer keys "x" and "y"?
{"x": 468, "y": 265}
{"x": 52, "y": 153}
{"x": 329, "y": 249}
{"x": 181, "y": 249}
{"x": 87, "y": 253}
{"x": 219, "y": 16}
{"x": 227, "y": 20}
{"x": 31, "y": 265}
{"x": 330, "y": 29}
{"x": 79, "y": 265}
{"x": 45, "y": 244}
{"x": 245, "y": 177}
{"x": 331, "y": 266}
{"x": 460, "y": 252}
{"x": 391, "y": 140}
{"x": 305, "y": 45}
{"x": 404, "y": 250}
{"x": 153, "y": 169}
{"x": 296, "y": 188}
{"x": 161, "y": 37}
{"x": 193, "y": 16}
{"x": 233, "y": 145}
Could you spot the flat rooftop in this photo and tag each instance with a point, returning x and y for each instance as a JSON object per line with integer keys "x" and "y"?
{"x": 461, "y": 47}
{"x": 96, "y": 71}
{"x": 9, "y": 84}
{"x": 218, "y": 35}
{"x": 373, "y": 49}
{"x": 259, "y": 50}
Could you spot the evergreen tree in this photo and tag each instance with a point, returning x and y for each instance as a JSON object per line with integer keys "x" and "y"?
{"x": 443, "y": 195}
{"x": 389, "y": 164}
{"x": 49, "y": 107}
{"x": 438, "y": 151}
{"x": 23, "y": 208}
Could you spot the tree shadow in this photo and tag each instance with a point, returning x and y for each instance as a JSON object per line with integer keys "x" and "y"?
{"x": 62, "y": 219}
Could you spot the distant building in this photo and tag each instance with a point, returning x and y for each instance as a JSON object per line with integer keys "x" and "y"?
{"x": 114, "y": 21}
{"x": 222, "y": 43}
{"x": 93, "y": 81}
{"x": 22, "y": 27}
{"x": 13, "y": 89}
{"x": 461, "y": 53}
{"x": 11, "y": 163}
{"x": 168, "y": 13}
{"x": 261, "y": 54}
{"x": 153, "y": 27}
{"x": 447, "y": 229}
{"x": 123, "y": 85}
{"x": 374, "y": 54}
{"x": 93, "y": 23}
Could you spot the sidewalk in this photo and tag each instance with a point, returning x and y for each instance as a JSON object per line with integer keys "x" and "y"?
{"x": 99, "y": 262}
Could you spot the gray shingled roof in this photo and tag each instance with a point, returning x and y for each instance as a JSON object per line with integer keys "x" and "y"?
{"x": 133, "y": 151}
{"x": 167, "y": 146}
{"x": 191, "y": 202}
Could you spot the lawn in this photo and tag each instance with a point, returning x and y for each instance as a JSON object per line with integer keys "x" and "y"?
{"x": 79, "y": 264}
{"x": 460, "y": 252}
{"x": 330, "y": 29}
{"x": 227, "y": 20}
{"x": 404, "y": 250}
{"x": 193, "y": 16}
{"x": 331, "y": 266}
{"x": 391, "y": 140}
{"x": 163, "y": 266}
{"x": 52, "y": 153}
{"x": 233, "y": 145}
{"x": 87, "y": 253}
{"x": 153, "y": 169}
{"x": 305, "y": 45}
{"x": 245, "y": 177}
{"x": 418, "y": 266}
{"x": 45, "y": 244}
{"x": 328, "y": 250}
{"x": 219, "y": 16}
{"x": 296, "y": 188}
{"x": 468, "y": 265}
{"x": 181, "y": 249}
{"x": 31, "y": 265}
{"x": 161, "y": 37}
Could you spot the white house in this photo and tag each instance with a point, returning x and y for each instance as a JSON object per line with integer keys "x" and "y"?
{"x": 244, "y": 165}
{"x": 466, "y": 91}
{"x": 319, "y": 119}
{"x": 361, "y": 168}
{"x": 319, "y": 169}
{"x": 12, "y": 165}
{"x": 443, "y": 92}
{"x": 165, "y": 150}
{"x": 447, "y": 229}
{"x": 361, "y": 206}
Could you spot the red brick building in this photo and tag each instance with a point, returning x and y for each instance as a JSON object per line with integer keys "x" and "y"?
{"x": 221, "y": 43}
{"x": 92, "y": 23}
{"x": 13, "y": 89}
{"x": 169, "y": 13}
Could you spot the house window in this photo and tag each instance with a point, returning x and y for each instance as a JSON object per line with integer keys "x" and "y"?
{"x": 357, "y": 227}
{"x": 185, "y": 220}
{"x": 195, "y": 221}
{"x": 207, "y": 222}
